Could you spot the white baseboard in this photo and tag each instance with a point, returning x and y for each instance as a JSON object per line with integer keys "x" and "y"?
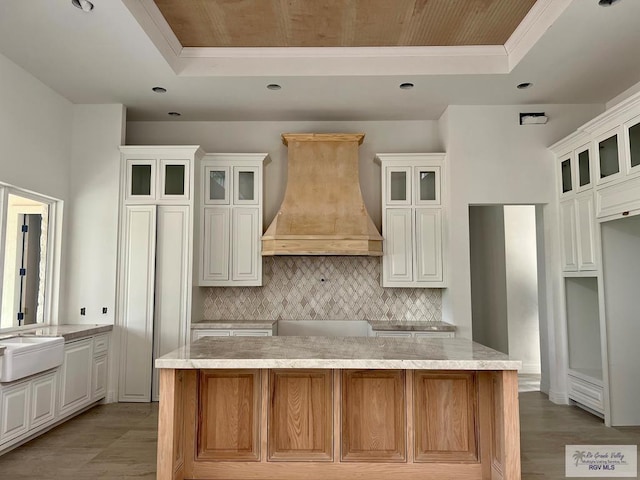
{"x": 559, "y": 398}
{"x": 530, "y": 369}
{"x": 544, "y": 387}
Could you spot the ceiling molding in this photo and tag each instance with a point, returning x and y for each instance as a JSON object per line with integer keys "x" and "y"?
{"x": 535, "y": 23}
{"x": 337, "y": 61}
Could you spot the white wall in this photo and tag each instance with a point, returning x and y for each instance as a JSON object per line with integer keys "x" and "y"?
{"x": 381, "y": 137}
{"x": 493, "y": 159}
{"x": 92, "y": 215}
{"x": 488, "y": 276}
{"x": 522, "y": 285}
{"x": 35, "y": 141}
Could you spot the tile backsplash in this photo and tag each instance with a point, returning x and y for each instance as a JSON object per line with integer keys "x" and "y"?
{"x": 322, "y": 288}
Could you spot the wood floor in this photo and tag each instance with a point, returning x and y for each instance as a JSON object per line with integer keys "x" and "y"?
{"x": 118, "y": 441}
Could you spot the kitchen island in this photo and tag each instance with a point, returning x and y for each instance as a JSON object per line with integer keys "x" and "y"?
{"x": 337, "y": 407}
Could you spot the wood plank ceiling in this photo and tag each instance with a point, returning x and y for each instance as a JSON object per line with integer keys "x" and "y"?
{"x": 342, "y": 23}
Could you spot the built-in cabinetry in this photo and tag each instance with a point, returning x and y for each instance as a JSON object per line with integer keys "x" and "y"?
{"x": 156, "y": 261}
{"x": 598, "y": 188}
{"x": 412, "y": 220}
{"x": 35, "y": 403}
{"x": 231, "y": 219}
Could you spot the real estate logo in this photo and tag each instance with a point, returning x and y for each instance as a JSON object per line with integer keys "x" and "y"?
{"x": 601, "y": 461}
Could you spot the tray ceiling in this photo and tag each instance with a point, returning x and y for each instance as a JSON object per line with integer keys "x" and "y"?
{"x": 342, "y": 23}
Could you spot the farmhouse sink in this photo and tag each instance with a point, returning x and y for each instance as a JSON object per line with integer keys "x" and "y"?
{"x": 24, "y": 356}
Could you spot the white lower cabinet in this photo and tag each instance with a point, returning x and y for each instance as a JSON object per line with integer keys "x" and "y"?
{"x": 75, "y": 377}
{"x": 586, "y": 393}
{"x": 43, "y": 399}
{"x": 14, "y": 401}
{"x": 99, "y": 377}
{"x": 388, "y": 333}
{"x": 214, "y": 332}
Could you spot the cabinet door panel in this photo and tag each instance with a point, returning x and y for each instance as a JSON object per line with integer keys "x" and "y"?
{"x": 246, "y": 185}
{"x": 568, "y": 236}
{"x": 428, "y": 245}
{"x": 398, "y": 186}
{"x": 427, "y": 185}
{"x": 608, "y": 156}
{"x": 75, "y": 379}
{"x": 245, "y": 245}
{"x": 14, "y": 405}
{"x": 171, "y": 283}
{"x": 398, "y": 245}
{"x": 138, "y": 288}
{"x": 174, "y": 180}
{"x": 216, "y": 244}
{"x": 586, "y": 233}
{"x": 141, "y": 179}
{"x": 99, "y": 377}
{"x": 43, "y": 400}
{"x": 216, "y": 186}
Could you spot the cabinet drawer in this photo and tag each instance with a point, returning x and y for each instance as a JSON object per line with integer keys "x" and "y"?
{"x": 393, "y": 334}
{"x": 586, "y": 393}
{"x": 196, "y": 334}
{"x": 251, "y": 333}
{"x": 435, "y": 334}
{"x": 100, "y": 344}
{"x": 618, "y": 198}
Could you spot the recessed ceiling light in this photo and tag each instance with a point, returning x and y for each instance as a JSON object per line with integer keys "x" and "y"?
{"x": 607, "y": 3}
{"x": 159, "y": 89}
{"x": 84, "y": 5}
{"x": 274, "y": 86}
{"x": 174, "y": 114}
{"x": 406, "y": 86}
{"x": 524, "y": 85}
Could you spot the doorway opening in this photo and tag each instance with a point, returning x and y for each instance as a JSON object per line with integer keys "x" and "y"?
{"x": 504, "y": 251}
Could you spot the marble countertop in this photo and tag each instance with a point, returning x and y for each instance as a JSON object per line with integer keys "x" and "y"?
{"x": 69, "y": 332}
{"x": 382, "y": 325}
{"x": 337, "y": 352}
{"x": 233, "y": 324}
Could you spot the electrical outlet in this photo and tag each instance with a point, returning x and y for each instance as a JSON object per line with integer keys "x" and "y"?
{"x": 104, "y": 310}
{"x": 83, "y": 311}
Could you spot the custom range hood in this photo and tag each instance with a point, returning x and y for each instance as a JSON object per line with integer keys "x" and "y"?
{"x": 322, "y": 212}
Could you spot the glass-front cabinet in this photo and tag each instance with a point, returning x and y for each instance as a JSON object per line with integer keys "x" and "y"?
{"x": 398, "y": 186}
{"x": 583, "y": 165}
{"x": 566, "y": 174}
{"x": 427, "y": 185}
{"x": 216, "y": 186}
{"x": 632, "y": 136}
{"x": 245, "y": 180}
{"x": 607, "y": 156}
{"x": 157, "y": 179}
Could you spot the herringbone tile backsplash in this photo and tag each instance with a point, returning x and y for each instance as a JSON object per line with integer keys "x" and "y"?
{"x": 293, "y": 289}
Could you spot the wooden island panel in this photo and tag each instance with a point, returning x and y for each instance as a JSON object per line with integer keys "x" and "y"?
{"x": 229, "y": 415}
{"x": 300, "y": 418}
{"x": 323, "y": 424}
{"x": 373, "y": 416}
{"x": 445, "y": 417}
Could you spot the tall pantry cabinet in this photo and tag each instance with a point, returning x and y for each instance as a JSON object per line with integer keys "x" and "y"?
{"x": 155, "y": 261}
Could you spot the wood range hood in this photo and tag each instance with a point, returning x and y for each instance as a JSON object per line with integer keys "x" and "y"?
{"x": 322, "y": 212}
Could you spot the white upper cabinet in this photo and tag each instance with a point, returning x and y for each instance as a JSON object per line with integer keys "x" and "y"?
{"x": 158, "y": 174}
{"x": 412, "y": 220}
{"x": 231, "y": 219}
{"x": 583, "y": 161}
{"x": 608, "y": 156}
{"x": 632, "y": 145}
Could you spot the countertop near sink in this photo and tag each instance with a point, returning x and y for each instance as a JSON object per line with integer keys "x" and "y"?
{"x": 69, "y": 332}
{"x": 382, "y": 325}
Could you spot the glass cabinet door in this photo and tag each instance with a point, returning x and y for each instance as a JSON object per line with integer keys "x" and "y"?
{"x": 174, "y": 179}
{"x": 398, "y": 189}
{"x": 141, "y": 183}
{"x": 216, "y": 185}
{"x": 633, "y": 144}
{"x": 583, "y": 160}
{"x": 427, "y": 185}
{"x": 566, "y": 175}
{"x": 245, "y": 180}
{"x": 607, "y": 156}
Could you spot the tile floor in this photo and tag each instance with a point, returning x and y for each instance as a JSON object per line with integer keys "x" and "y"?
{"x": 118, "y": 441}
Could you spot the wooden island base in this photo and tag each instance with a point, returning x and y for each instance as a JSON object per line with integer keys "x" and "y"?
{"x": 321, "y": 424}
